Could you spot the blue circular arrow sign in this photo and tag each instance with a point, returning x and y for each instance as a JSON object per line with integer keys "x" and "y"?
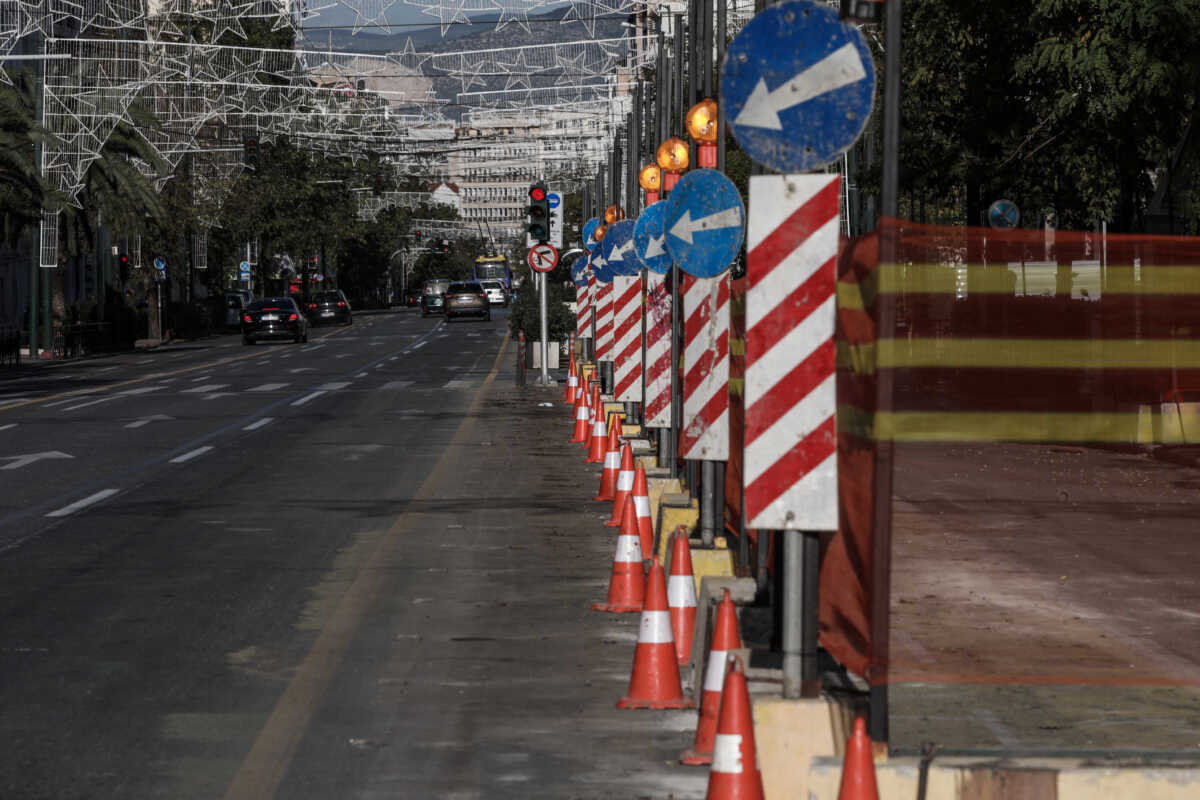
{"x": 650, "y": 238}
{"x": 797, "y": 86}
{"x": 1004, "y": 214}
{"x": 600, "y": 268}
{"x": 704, "y": 220}
{"x": 617, "y": 248}
{"x": 579, "y": 271}
{"x": 589, "y": 228}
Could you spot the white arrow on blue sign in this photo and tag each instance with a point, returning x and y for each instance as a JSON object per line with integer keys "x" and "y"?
{"x": 704, "y": 220}
{"x": 589, "y": 228}
{"x": 160, "y": 263}
{"x": 600, "y": 268}
{"x": 650, "y": 238}
{"x": 617, "y": 248}
{"x": 798, "y": 86}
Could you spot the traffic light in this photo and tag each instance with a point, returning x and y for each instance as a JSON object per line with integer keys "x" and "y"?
{"x": 539, "y": 213}
{"x": 250, "y": 152}
{"x": 417, "y": 236}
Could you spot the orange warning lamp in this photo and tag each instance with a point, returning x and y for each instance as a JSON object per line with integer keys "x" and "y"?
{"x": 598, "y": 234}
{"x": 614, "y": 213}
{"x": 701, "y": 123}
{"x": 672, "y": 157}
{"x": 650, "y": 179}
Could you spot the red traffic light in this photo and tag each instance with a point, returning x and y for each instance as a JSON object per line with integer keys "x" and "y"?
{"x": 537, "y": 193}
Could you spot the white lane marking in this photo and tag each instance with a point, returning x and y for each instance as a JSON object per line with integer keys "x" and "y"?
{"x": 126, "y": 393}
{"x": 188, "y": 456}
{"x": 106, "y": 369}
{"x": 207, "y": 388}
{"x": 393, "y": 358}
{"x": 9, "y": 425}
{"x": 253, "y": 426}
{"x": 380, "y": 366}
{"x": 333, "y": 386}
{"x": 307, "y": 397}
{"x": 84, "y": 503}
{"x": 68, "y": 400}
{"x": 454, "y": 384}
{"x": 311, "y": 347}
{"x": 16, "y": 462}
{"x": 343, "y": 355}
{"x": 147, "y": 420}
{"x": 419, "y": 345}
{"x": 397, "y": 384}
{"x": 298, "y": 370}
{"x": 215, "y": 395}
{"x": 361, "y": 375}
{"x": 264, "y": 362}
{"x": 268, "y": 387}
{"x": 201, "y": 378}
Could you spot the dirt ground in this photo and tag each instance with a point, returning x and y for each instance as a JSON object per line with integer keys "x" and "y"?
{"x": 1045, "y": 597}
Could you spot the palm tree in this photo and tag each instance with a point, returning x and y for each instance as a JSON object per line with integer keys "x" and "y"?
{"x": 23, "y": 191}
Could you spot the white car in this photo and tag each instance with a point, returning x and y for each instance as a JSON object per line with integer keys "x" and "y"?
{"x": 495, "y": 292}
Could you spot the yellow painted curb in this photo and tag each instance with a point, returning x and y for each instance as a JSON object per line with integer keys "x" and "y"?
{"x": 788, "y": 733}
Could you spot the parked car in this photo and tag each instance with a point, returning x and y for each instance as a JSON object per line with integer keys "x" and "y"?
{"x": 330, "y": 306}
{"x": 496, "y": 293}
{"x": 467, "y": 299}
{"x": 274, "y": 318}
{"x": 433, "y": 295}
{"x": 235, "y": 303}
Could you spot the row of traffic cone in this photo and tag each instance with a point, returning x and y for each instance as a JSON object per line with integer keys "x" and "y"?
{"x": 724, "y": 737}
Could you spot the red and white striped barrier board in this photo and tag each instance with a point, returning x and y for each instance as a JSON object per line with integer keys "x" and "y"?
{"x": 604, "y": 321}
{"x": 627, "y": 339}
{"x": 657, "y": 409}
{"x": 583, "y": 310}
{"x": 790, "y": 469}
{"x": 705, "y": 434}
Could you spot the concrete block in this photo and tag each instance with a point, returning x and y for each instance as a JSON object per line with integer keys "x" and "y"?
{"x": 1144, "y": 783}
{"x": 788, "y": 733}
{"x": 711, "y": 590}
{"x": 674, "y": 510}
{"x": 659, "y": 485}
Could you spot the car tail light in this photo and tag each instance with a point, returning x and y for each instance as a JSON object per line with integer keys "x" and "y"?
{"x": 341, "y": 303}
{"x": 312, "y": 306}
{"x": 293, "y": 317}
{"x": 273, "y": 308}
{"x": 247, "y": 318}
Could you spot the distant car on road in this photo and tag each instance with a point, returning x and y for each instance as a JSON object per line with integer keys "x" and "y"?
{"x": 467, "y": 299}
{"x": 433, "y": 295}
{"x": 330, "y": 306}
{"x": 274, "y": 318}
{"x": 496, "y": 293}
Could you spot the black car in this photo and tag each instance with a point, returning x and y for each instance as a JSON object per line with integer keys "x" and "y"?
{"x": 433, "y": 295}
{"x": 274, "y": 318}
{"x": 330, "y": 306}
{"x": 465, "y": 298}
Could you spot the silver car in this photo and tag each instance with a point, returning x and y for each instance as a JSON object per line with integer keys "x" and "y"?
{"x": 495, "y": 292}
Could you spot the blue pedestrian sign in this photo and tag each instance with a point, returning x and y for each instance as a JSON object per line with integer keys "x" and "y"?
{"x": 589, "y": 228}
{"x": 797, "y": 86}
{"x": 160, "y": 263}
{"x": 617, "y": 249}
{"x": 650, "y": 238}
{"x": 704, "y": 220}
{"x": 244, "y": 267}
{"x": 1004, "y": 215}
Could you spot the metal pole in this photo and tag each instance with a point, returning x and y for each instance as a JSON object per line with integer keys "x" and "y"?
{"x": 881, "y": 547}
{"x": 708, "y": 502}
{"x": 676, "y": 410}
{"x": 801, "y": 551}
{"x": 722, "y": 32}
{"x": 545, "y": 377}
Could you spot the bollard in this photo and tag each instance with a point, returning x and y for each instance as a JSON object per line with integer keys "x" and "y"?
{"x": 520, "y": 358}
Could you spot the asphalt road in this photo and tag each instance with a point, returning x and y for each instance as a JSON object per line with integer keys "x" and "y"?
{"x": 359, "y": 567}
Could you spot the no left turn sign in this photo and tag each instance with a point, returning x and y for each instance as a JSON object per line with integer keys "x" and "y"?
{"x": 543, "y": 257}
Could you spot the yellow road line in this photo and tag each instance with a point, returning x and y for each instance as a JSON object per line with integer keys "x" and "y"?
{"x": 264, "y": 767}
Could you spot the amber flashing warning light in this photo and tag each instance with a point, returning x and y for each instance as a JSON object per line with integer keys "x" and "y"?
{"x": 650, "y": 178}
{"x": 701, "y": 121}
{"x": 598, "y": 234}
{"x": 672, "y": 155}
{"x": 614, "y": 213}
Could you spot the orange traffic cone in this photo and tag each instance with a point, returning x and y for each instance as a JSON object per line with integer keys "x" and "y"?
{"x": 582, "y": 427}
{"x": 627, "y": 587}
{"x": 655, "y": 679}
{"x": 594, "y": 413}
{"x": 572, "y": 381}
{"x": 681, "y": 596}
{"x": 624, "y": 489}
{"x": 726, "y": 639}
{"x": 735, "y": 774}
{"x": 858, "y": 769}
{"x": 641, "y": 504}
{"x": 612, "y": 467}
{"x": 597, "y": 447}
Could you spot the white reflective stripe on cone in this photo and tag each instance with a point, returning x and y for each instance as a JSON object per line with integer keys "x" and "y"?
{"x": 641, "y": 505}
{"x": 624, "y": 481}
{"x": 629, "y": 549}
{"x": 681, "y": 591}
{"x": 727, "y": 753}
{"x": 656, "y": 628}
{"x": 598, "y": 428}
{"x": 612, "y": 460}
{"x": 714, "y": 676}
{"x": 581, "y": 413}
{"x": 572, "y": 380}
